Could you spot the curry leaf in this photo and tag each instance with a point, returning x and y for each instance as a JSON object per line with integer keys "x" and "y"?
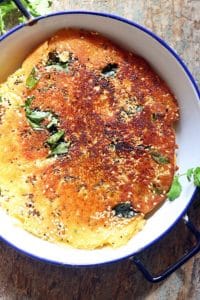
{"x": 124, "y": 210}
{"x": 110, "y": 70}
{"x": 53, "y": 121}
{"x": 175, "y": 189}
{"x": 59, "y": 61}
{"x": 35, "y": 125}
{"x": 28, "y": 101}
{"x": 53, "y": 139}
{"x": 37, "y": 116}
{"x": 160, "y": 159}
{"x": 32, "y": 79}
{"x": 61, "y": 148}
{"x": 34, "y": 117}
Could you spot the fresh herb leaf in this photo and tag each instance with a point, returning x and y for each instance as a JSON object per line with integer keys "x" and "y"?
{"x": 32, "y": 79}
{"x": 37, "y": 116}
{"x": 27, "y": 104}
{"x": 34, "y": 117}
{"x": 160, "y": 159}
{"x": 110, "y": 70}
{"x": 1, "y": 99}
{"x": 53, "y": 58}
{"x": 54, "y": 139}
{"x": 61, "y": 148}
{"x": 35, "y": 125}
{"x": 189, "y": 174}
{"x": 53, "y": 122}
{"x": 196, "y": 176}
{"x": 124, "y": 210}
{"x": 175, "y": 189}
{"x": 28, "y": 101}
{"x": 59, "y": 61}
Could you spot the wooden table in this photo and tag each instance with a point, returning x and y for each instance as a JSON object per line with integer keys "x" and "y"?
{"x": 21, "y": 277}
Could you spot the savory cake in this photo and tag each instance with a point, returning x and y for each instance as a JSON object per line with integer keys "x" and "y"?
{"x": 87, "y": 144}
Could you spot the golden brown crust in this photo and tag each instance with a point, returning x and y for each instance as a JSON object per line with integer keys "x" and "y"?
{"x": 120, "y": 128}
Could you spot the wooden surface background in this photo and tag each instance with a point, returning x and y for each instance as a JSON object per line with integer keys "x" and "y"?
{"x": 177, "y": 21}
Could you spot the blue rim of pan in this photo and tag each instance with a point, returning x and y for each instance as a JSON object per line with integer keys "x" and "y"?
{"x": 194, "y": 84}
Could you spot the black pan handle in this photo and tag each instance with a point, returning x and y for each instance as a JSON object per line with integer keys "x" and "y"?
{"x": 23, "y": 10}
{"x": 176, "y": 265}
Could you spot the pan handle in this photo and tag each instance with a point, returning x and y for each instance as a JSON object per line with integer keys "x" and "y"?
{"x": 176, "y": 265}
{"x": 23, "y": 10}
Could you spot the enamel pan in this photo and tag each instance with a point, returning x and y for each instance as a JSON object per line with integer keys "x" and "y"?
{"x": 21, "y": 40}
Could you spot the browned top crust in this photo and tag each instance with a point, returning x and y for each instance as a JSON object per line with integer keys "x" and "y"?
{"x": 117, "y": 116}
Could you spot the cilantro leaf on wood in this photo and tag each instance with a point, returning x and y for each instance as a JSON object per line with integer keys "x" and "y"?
{"x": 192, "y": 174}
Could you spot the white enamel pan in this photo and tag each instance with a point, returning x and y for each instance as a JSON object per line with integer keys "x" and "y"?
{"x": 16, "y": 44}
